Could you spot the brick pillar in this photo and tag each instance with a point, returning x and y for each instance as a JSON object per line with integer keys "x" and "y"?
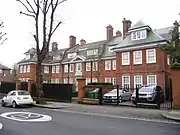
{"x": 175, "y": 88}
{"x": 18, "y": 84}
{"x": 81, "y": 92}
{"x": 30, "y": 82}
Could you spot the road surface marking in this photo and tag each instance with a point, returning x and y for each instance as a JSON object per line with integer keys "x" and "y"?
{"x": 122, "y": 117}
{"x": 1, "y": 126}
{"x": 26, "y": 116}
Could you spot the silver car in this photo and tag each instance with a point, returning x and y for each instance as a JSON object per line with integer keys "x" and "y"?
{"x": 111, "y": 97}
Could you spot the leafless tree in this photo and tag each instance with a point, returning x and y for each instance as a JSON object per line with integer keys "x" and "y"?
{"x": 2, "y": 34}
{"x": 43, "y": 13}
{"x": 99, "y": 61}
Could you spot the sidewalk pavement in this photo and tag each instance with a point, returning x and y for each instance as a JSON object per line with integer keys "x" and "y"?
{"x": 172, "y": 115}
{"x": 122, "y": 111}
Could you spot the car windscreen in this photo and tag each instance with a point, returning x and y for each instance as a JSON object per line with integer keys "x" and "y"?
{"x": 146, "y": 89}
{"x": 23, "y": 93}
{"x": 115, "y": 90}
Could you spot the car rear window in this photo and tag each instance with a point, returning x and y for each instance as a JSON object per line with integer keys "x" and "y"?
{"x": 23, "y": 93}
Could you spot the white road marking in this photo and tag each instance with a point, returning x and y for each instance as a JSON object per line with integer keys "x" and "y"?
{"x": 26, "y": 116}
{"x": 122, "y": 117}
{"x": 1, "y": 126}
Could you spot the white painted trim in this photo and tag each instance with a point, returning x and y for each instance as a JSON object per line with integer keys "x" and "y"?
{"x": 138, "y": 47}
{"x": 114, "y": 64}
{"x": 72, "y": 68}
{"x": 105, "y": 63}
{"x": 135, "y": 81}
{"x": 107, "y": 58}
{"x": 80, "y": 57}
{"x": 126, "y": 83}
{"x": 143, "y": 28}
{"x": 122, "y": 62}
{"x": 134, "y": 54}
{"x": 147, "y": 60}
{"x": 44, "y": 64}
{"x": 155, "y": 79}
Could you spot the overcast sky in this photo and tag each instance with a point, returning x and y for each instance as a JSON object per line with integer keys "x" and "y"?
{"x": 85, "y": 19}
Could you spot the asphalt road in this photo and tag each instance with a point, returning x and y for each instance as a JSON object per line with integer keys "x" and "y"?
{"x": 77, "y": 124}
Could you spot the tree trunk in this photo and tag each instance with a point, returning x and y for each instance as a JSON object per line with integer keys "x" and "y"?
{"x": 39, "y": 85}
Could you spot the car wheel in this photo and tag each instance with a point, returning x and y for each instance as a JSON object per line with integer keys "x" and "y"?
{"x": 14, "y": 105}
{"x": 3, "y": 104}
{"x": 120, "y": 99}
{"x": 134, "y": 102}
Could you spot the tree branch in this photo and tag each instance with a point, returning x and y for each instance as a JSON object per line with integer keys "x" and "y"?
{"x": 56, "y": 27}
{"x": 25, "y": 6}
{"x": 31, "y": 7}
{"x": 27, "y": 14}
{"x": 61, "y": 1}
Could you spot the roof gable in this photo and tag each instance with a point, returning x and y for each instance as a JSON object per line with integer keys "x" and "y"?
{"x": 78, "y": 58}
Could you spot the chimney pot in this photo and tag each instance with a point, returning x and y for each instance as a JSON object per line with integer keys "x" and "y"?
{"x": 54, "y": 46}
{"x": 118, "y": 33}
{"x": 82, "y": 42}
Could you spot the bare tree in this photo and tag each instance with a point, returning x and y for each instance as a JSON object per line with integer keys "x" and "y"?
{"x": 14, "y": 71}
{"x": 43, "y": 13}
{"x": 99, "y": 61}
{"x": 2, "y": 34}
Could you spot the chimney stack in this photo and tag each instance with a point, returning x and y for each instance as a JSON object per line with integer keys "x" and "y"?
{"x": 118, "y": 33}
{"x": 109, "y": 29}
{"x": 72, "y": 41}
{"x": 126, "y": 26}
{"x": 82, "y": 42}
{"x": 54, "y": 46}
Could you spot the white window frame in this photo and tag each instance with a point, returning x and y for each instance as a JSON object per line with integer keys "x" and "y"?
{"x": 92, "y": 52}
{"x": 88, "y": 66}
{"x": 80, "y": 65}
{"x": 138, "y": 35}
{"x": 148, "y": 58}
{"x": 114, "y": 64}
{"x": 124, "y": 84}
{"x": 71, "y": 68}
{"x": 114, "y": 80}
{"x": 107, "y": 80}
{"x": 95, "y": 66}
{"x": 28, "y": 68}
{"x": 24, "y": 69}
{"x": 125, "y": 58}
{"x": 137, "y": 57}
{"x": 53, "y": 69}
{"x": 65, "y": 80}
{"x": 138, "y": 82}
{"x": 71, "y": 80}
{"x": 1, "y": 71}
{"x": 94, "y": 80}
{"x": 110, "y": 48}
{"x": 168, "y": 60}
{"x": 46, "y": 69}
{"x": 66, "y": 68}
{"x": 149, "y": 83}
{"x": 71, "y": 55}
{"x": 57, "y": 69}
{"x": 21, "y": 69}
{"x": 88, "y": 80}
{"x": 108, "y": 65}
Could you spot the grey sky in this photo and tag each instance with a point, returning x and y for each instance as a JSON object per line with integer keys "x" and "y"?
{"x": 85, "y": 19}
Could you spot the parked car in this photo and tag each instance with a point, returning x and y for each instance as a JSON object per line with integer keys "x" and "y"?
{"x": 110, "y": 97}
{"x": 17, "y": 98}
{"x": 148, "y": 94}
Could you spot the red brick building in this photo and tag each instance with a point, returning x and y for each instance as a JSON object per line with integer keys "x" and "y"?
{"x": 128, "y": 59}
{"x": 140, "y": 60}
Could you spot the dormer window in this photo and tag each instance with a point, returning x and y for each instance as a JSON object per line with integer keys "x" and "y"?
{"x": 27, "y": 56}
{"x": 92, "y": 52}
{"x": 72, "y": 55}
{"x": 138, "y": 35}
